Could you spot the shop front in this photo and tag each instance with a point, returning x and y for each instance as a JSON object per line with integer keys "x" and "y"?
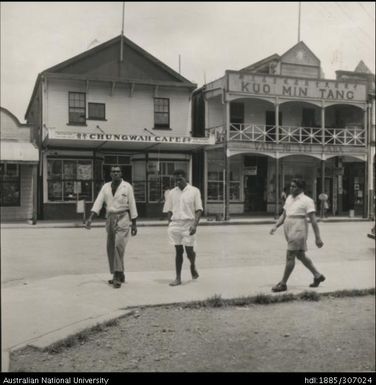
{"x": 272, "y": 125}
{"x": 75, "y": 167}
{"x": 19, "y": 159}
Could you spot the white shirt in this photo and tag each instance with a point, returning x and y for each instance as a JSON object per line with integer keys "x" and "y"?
{"x": 122, "y": 200}
{"x": 299, "y": 205}
{"x": 183, "y": 203}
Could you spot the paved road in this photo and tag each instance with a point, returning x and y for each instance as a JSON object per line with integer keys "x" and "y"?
{"x": 33, "y": 254}
{"x": 58, "y": 276}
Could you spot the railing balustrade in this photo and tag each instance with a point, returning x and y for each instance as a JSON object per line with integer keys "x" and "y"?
{"x": 248, "y": 132}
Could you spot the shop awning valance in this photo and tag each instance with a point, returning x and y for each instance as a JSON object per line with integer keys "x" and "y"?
{"x": 21, "y": 152}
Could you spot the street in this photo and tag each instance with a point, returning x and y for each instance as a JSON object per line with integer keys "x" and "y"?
{"x": 38, "y": 253}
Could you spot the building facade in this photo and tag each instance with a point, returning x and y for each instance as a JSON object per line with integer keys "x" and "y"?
{"x": 278, "y": 119}
{"x": 19, "y": 160}
{"x": 112, "y": 105}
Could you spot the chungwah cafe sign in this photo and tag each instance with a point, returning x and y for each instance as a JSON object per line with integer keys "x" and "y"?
{"x": 55, "y": 135}
{"x": 290, "y": 87}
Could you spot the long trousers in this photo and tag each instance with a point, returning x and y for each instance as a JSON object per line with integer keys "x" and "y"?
{"x": 118, "y": 228}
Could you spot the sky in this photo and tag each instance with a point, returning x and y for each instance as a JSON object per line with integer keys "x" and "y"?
{"x": 210, "y": 37}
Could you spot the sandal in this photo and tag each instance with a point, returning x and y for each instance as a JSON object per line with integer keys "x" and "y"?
{"x": 279, "y": 287}
{"x": 316, "y": 281}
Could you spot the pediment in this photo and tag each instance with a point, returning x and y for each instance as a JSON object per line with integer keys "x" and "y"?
{"x": 300, "y": 54}
{"x": 103, "y": 61}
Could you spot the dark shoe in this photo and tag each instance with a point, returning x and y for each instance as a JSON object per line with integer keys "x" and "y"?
{"x": 194, "y": 272}
{"x": 316, "y": 281}
{"x": 176, "y": 282}
{"x": 120, "y": 278}
{"x": 117, "y": 284}
{"x": 279, "y": 287}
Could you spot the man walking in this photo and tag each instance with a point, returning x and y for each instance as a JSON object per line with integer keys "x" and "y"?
{"x": 184, "y": 209}
{"x": 121, "y": 210}
{"x": 296, "y": 209}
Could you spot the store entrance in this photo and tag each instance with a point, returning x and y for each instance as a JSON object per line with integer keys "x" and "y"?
{"x": 255, "y": 170}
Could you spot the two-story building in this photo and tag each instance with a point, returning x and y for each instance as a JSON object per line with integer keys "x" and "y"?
{"x": 114, "y": 104}
{"x": 277, "y": 119}
{"x": 19, "y": 159}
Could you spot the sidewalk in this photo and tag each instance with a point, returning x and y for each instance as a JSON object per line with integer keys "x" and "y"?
{"x": 45, "y": 311}
{"x": 205, "y": 221}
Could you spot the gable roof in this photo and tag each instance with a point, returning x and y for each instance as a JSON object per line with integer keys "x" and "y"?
{"x": 361, "y": 67}
{"x": 300, "y": 45}
{"x": 262, "y": 62}
{"x": 103, "y": 63}
{"x": 104, "y": 59}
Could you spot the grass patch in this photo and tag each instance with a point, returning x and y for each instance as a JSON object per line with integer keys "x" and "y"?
{"x": 267, "y": 299}
{"x": 309, "y": 296}
{"x": 79, "y": 338}
{"x": 214, "y": 302}
{"x": 350, "y": 293}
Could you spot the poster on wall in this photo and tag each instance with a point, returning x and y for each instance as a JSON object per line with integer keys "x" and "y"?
{"x": 84, "y": 171}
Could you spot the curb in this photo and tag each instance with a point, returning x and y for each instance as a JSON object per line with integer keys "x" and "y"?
{"x": 164, "y": 224}
{"x": 53, "y": 338}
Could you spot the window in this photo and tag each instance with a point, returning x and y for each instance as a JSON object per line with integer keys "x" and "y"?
{"x": 97, "y": 111}
{"x": 216, "y": 181}
{"x": 69, "y": 179}
{"x": 77, "y": 108}
{"x": 10, "y": 184}
{"x": 236, "y": 113}
{"x": 161, "y": 113}
{"x": 161, "y": 177}
{"x": 308, "y": 117}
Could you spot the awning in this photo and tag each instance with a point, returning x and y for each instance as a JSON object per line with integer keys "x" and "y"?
{"x": 110, "y": 141}
{"x": 19, "y": 152}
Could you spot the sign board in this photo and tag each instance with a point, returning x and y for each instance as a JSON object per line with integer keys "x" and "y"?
{"x": 56, "y": 134}
{"x": 267, "y": 85}
{"x": 77, "y": 187}
{"x": 250, "y": 170}
{"x": 81, "y": 206}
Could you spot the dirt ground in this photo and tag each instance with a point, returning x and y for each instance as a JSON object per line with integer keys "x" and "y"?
{"x": 331, "y": 335}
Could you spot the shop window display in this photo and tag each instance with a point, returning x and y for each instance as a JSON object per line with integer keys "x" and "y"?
{"x": 69, "y": 180}
{"x": 10, "y": 185}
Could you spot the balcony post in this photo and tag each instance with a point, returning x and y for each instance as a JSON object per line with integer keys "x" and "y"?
{"x": 277, "y": 186}
{"x": 367, "y": 183}
{"x": 226, "y": 193}
{"x": 276, "y": 120}
{"x": 323, "y": 124}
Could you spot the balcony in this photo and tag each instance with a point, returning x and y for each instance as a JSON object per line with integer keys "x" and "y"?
{"x": 247, "y": 132}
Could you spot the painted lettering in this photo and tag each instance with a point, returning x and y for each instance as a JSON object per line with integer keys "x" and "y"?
{"x": 245, "y": 87}
{"x": 350, "y": 95}
{"x": 286, "y": 90}
{"x": 266, "y": 89}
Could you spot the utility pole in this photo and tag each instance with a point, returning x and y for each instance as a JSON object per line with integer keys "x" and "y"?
{"x": 300, "y": 5}
{"x": 122, "y": 36}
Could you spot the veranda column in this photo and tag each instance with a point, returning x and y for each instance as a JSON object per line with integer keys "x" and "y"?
{"x": 276, "y": 120}
{"x": 227, "y": 162}
{"x": 323, "y": 149}
{"x": 366, "y": 167}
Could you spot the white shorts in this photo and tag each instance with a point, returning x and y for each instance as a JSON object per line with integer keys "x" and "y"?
{"x": 178, "y": 233}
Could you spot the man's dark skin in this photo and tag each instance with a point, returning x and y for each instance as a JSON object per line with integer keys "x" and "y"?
{"x": 116, "y": 177}
{"x": 182, "y": 183}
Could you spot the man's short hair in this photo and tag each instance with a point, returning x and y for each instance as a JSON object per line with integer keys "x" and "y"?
{"x": 180, "y": 172}
{"x": 300, "y": 183}
{"x": 115, "y": 166}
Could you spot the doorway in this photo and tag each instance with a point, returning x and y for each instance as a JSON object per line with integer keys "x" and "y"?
{"x": 255, "y": 173}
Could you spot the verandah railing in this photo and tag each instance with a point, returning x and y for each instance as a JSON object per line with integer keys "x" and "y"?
{"x": 247, "y": 132}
